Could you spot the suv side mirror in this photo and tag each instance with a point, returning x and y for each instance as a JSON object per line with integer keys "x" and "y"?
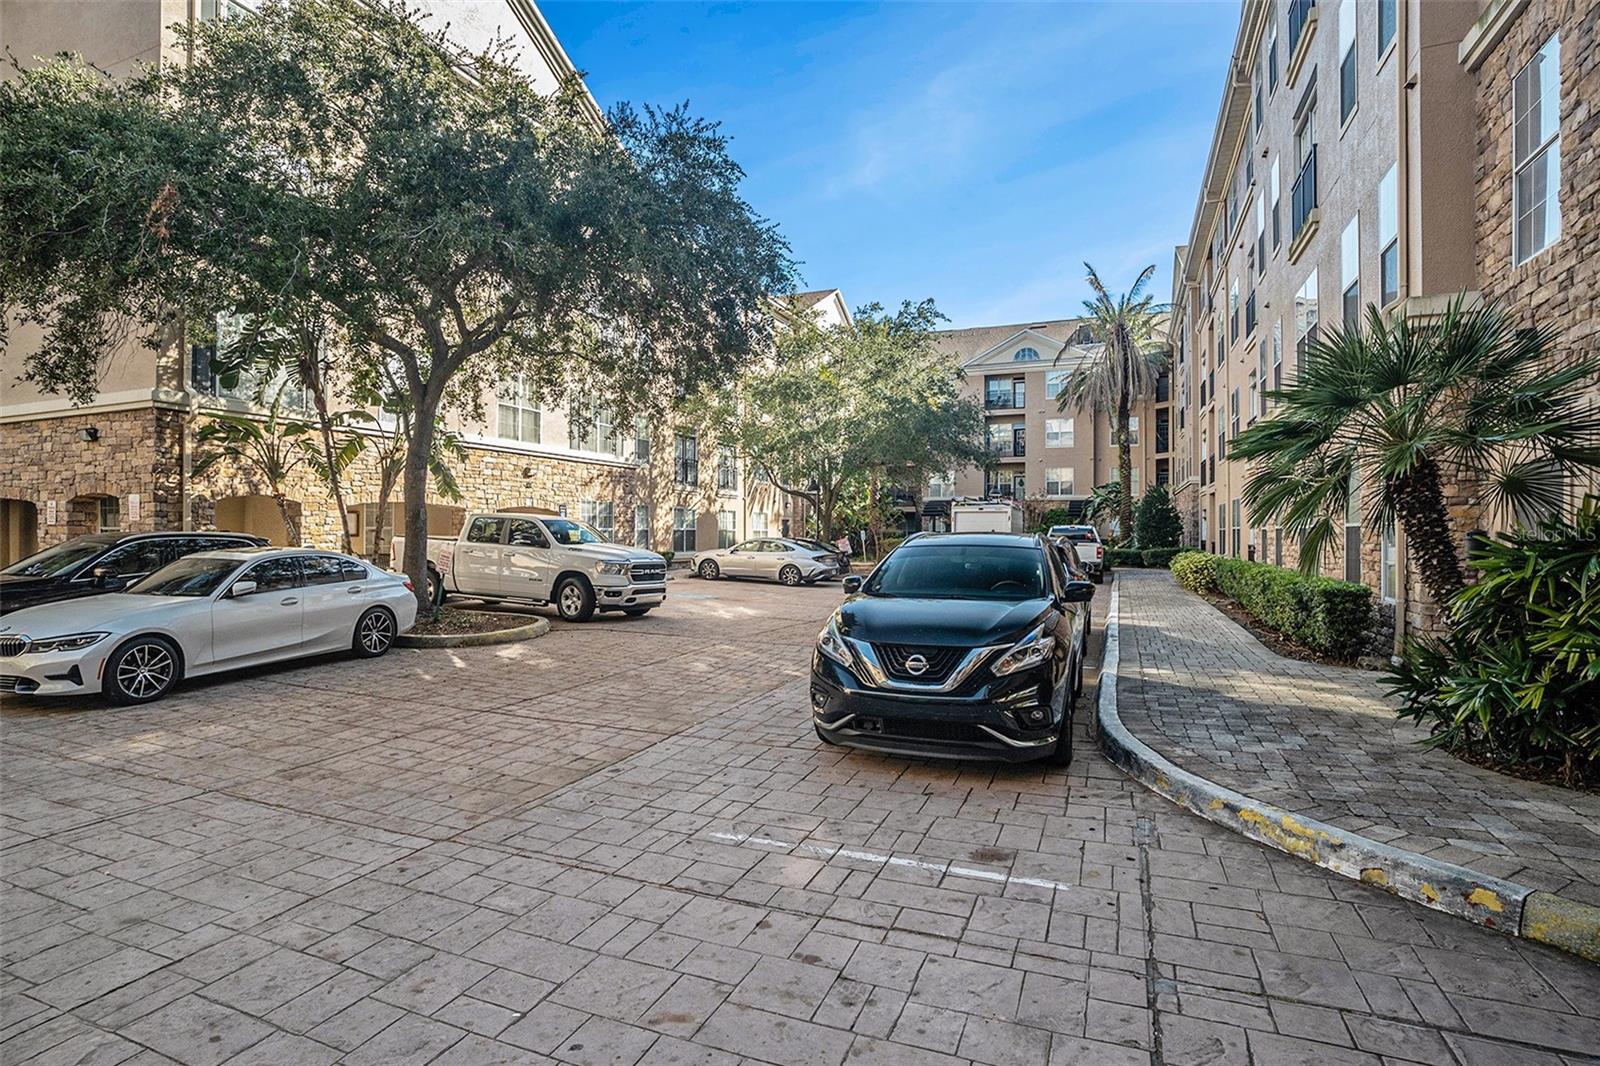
{"x": 1077, "y": 591}
{"x": 852, "y": 584}
{"x": 241, "y": 588}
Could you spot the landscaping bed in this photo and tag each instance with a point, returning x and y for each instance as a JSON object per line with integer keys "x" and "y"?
{"x": 454, "y": 622}
{"x": 1271, "y": 639}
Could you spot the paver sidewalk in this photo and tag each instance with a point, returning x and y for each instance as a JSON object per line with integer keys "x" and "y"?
{"x": 1324, "y": 742}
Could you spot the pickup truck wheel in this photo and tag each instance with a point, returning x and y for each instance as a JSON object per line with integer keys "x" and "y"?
{"x": 575, "y": 600}
{"x": 709, "y": 570}
{"x": 789, "y": 575}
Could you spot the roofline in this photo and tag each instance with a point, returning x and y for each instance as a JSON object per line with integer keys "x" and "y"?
{"x": 550, "y": 50}
{"x": 1226, "y": 136}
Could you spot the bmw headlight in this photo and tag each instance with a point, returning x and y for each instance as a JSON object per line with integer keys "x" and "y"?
{"x": 1031, "y": 650}
{"x": 70, "y": 642}
{"x": 831, "y": 643}
{"x": 611, "y": 568}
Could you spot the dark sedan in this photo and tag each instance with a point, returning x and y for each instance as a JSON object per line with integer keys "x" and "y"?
{"x": 102, "y": 562}
{"x": 958, "y": 645}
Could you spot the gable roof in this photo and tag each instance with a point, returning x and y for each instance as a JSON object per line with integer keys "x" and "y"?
{"x": 966, "y": 345}
{"x": 826, "y": 305}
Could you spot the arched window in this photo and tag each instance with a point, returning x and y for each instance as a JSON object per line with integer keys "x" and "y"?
{"x": 1025, "y": 355}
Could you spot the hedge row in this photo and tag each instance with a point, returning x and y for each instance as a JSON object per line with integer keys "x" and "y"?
{"x": 1331, "y": 617}
{"x": 1159, "y": 558}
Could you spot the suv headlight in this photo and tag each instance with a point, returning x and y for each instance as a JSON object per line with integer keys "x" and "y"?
{"x": 71, "y": 642}
{"x": 1031, "y": 650}
{"x": 831, "y": 643}
{"x": 611, "y": 568}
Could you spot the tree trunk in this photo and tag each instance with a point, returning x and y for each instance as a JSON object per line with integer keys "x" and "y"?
{"x": 1124, "y": 468}
{"x": 415, "y": 562}
{"x": 335, "y": 479}
{"x": 874, "y": 522}
{"x": 1428, "y": 538}
{"x": 291, "y": 528}
{"x": 384, "y": 532}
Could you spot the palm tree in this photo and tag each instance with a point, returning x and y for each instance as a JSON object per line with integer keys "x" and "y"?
{"x": 1124, "y": 371}
{"x": 1395, "y": 412}
{"x": 270, "y": 451}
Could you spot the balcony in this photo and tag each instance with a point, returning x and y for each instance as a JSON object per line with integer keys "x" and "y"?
{"x": 1007, "y": 449}
{"x": 1250, "y": 315}
{"x": 1303, "y": 214}
{"x": 1302, "y": 24}
{"x": 1009, "y": 401}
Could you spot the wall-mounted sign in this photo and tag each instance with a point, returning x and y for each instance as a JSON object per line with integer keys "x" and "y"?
{"x": 50, "y": 513}
{"x": 562, "y": 510}
{"x": 133, "y": 507}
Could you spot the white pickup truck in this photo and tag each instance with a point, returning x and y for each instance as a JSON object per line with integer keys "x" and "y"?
{"x": 1085, "y": 540}
{"x": 543, "y": 559}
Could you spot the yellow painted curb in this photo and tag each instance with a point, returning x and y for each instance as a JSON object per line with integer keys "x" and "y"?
{"x": 1562, "y": 923}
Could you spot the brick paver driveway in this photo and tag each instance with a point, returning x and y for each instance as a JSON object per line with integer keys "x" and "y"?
{"x": 622, "y": 843}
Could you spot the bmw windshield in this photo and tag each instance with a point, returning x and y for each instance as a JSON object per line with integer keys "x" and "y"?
{"x": 193, "y": 576}
{"x": 960, "y": 572}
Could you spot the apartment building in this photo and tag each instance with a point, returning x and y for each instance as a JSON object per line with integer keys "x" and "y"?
{"x": 1042, "y": 456}
{"x": 125, "y": 461}
{"x": 1375, "y": 152}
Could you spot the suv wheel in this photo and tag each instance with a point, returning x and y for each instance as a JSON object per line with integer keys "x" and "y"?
{"x": 142, "y": 670}
{"x": 709, "y": 570}
{"x": 575, "y": 600}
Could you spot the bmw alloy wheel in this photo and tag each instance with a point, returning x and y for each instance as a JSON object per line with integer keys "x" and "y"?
{"x": 146, "y": 670}
{"x": 377, "y": 632}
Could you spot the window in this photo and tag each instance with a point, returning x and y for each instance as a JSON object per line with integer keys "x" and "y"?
{"x": 600, "y": 436}
{"x": 1303, "y": 197}
{"x": 486, "y": 530}
{"x": 1233, "y": 413}
{"x": 1352, "y": 529}
{"x": 599, "y": 515}
{"x": 727, "y": 528}
{"x": 526, "y": 533}
{"x": 1059, "y": 433}
{"x": 641, "y": 526}
{"x": 1350, "y": 271}
{"x": 1163, "y": 430}
{"x": 1233, "y": 309}
{"x": 326, "y": 570}
{"x": 1259, "y": 99}
{"x": 1058, "y": 481}
{"x": 1387, "y": 15}
{"x": 641, "y": 440}
{"x": 683, "y": 529}
{"x": 1536, "y": 152}
{"x": 1347, "y": 60}
{"x": 942, "y": 486}
{"x": 1305, "y": 319}
{"x": 1025, "y": 355}
{"x": 1277, "y": 354}
{"x": 1054, "y": 382}
{"x": 1272, "y": 48}
{"x": 1163, "y": 471}
{"x": 110, "y": 515}
{"x": 1133, "y": 430}
{"x": 134, "y": 560}
{"x": 518, "y": 416}
{"x": 1258, "y": 383}
{"x": 1261, "y": 235}
{"x": 1277, "y": 231}
{"x": 1236, "y": 529}
{"x": 686, "y": 459}
{"x": 727, "y": 471}
{"x": 1388, "y": 239}
{"x": 1003, "y": 392}
{"x": 1387, "y": 576}
{"x": 273, "y": 575}
{"x": 758, "y": 525}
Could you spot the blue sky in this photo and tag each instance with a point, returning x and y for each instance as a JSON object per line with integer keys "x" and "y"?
{"x": 977, "y": 153}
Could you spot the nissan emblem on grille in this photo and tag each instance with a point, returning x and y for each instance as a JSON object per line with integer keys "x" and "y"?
{"x": 916, "y": 664}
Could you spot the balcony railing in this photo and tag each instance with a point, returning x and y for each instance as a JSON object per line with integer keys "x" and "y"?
{"x": 1250, "y": 315}
{"x": 1008, "y": 401}
{"x": 1304, "y": 199}
{"x": 1007, "y": 449}
{"x": 1299, "y": 14}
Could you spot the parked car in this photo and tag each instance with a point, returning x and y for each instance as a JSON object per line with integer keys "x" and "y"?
{"x": 98, "y": 563}
{"x": 957, "y": 645}
{"x": 203, "y": 614}
{"x": 543, "y": 559}
{"x": 841, "y": 559}
{"x": 1085, "y": 540}
{"x": 771, "y": 558}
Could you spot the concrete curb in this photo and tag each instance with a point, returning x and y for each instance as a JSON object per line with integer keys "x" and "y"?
{"x": 1492, "y": 902}
{"x": 537, "y": 628}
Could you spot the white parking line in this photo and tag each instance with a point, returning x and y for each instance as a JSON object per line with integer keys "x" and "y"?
{"x": 829, "y": 851}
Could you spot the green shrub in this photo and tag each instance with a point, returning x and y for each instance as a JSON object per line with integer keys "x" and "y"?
{"x": 1195, "y": 571}
{"x": 1160, "y": 558}
{"x": 667, "y": 555}
{"x": 1124, "y": 557}
{"x": 1156, "y": 522}
{"x": 1517, "y": 679}
{"x": 1055, "y": 516}
{"x": 1327, "y": 616}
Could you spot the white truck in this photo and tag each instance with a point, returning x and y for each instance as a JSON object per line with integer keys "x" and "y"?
{"x": 986, "y": 516}
{"x": 1085, "y": 540}
{"x": 543, "y": 559}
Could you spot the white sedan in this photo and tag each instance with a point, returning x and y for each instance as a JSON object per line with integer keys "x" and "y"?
{"x": 205, "y": 613}
{"x": 772, "y": 558}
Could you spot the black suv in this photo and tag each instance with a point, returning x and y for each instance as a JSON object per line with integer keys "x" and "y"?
{"x": 958, "y": 645}
{"x": 101, "y": 562}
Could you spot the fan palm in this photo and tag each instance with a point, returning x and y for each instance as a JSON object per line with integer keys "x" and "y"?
{"x": 1124, "y": 370}
{"x": 1391, "y": 414}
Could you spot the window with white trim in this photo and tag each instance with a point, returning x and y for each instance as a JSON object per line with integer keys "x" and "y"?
{"x": 1025, "y": 355}
{"x": 1347, "y": 60}
{"x": 1277, "y": 192}
{"x": 1536, "y": 152}
{"x": 942, "y": 486}
{"x": 1388, "y": 573}
{"x": 599, "y": 515}
{"x": 1389, "y": 238}
{"x": 1059, "y": 433}
{"x": 727, "y": 528}
{"x": 517, "y": 416}
{"x": 641, "y": 525}
{"x": 1350, "y": 272}
{"x": 1054, "y": 382}
{"x": 1133, "y": 430}
{"x": 600, "y": 435}
{"x": 683, "y": 529}
{"x": 1058, "y": 481}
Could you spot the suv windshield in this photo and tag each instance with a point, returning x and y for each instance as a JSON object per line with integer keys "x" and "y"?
{"x": 59, "y": 560}
{"x": 960, "y": 572}
{"x": 566, "y": 531}
{"x": 193, "y": 576}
